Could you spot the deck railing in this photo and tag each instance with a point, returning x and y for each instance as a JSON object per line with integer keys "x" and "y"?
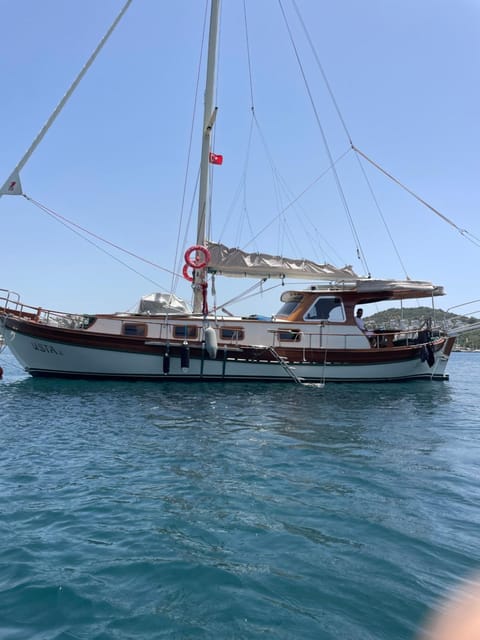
{"x": 10, "y": 304}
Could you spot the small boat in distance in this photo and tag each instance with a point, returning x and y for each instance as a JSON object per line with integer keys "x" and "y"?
{"x": 313, "y": 338}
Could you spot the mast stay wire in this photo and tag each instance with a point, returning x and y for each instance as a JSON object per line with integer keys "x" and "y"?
{"x": 294, "y": 199}
{"x": 382, "y": 217}
{"x": 15, "y": 175}
{"x": 290, "y": 198}
{"x": 360, "y": 252}
{"x": 240, "y": 192}
{"x": 254, "y": 118}
{"x": 347, "y": 132}
{"x": 79, "y": 231}
{"x": 177, "y": 260}
{"x": 249, "y": 59}
{"x": 463, "y": 232}
{"x": 278, "y": 179}
{"x": 357, "y": 151}
{"x": 298, "y": 197}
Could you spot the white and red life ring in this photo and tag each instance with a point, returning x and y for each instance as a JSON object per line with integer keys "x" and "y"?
{"x": 185, "y": 273}
{"x": 197, "y": 262}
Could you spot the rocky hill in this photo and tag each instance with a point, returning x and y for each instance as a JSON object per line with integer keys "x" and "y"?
{"x": 393, "y": 318}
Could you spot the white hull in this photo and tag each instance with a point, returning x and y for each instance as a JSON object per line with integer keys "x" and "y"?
{"x": 51, "y": 358}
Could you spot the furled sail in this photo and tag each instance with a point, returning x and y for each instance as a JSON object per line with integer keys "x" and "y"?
{"x": 237, "y": 263}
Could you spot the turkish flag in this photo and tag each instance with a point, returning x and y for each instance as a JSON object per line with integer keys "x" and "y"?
{"x": 215, "y": 159}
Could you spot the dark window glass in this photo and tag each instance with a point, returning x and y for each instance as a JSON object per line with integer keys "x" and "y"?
{"x": 288, "y": 308}
{"x": 292, "y": 335}
{"x": 231, "y": 333}
{"x": 135, "y": 329}
{"x": 326, "y": 308}
{"x": 184, "y": 331}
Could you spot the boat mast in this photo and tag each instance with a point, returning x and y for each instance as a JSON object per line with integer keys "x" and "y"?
{"x": 209, "y": 114}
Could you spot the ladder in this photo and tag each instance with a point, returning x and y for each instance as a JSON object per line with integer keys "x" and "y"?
{"x": 283, "y": 362}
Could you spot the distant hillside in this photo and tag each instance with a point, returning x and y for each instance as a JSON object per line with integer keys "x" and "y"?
{"x": 393, "y": 317}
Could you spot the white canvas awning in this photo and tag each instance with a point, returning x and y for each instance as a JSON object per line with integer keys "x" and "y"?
{"x": 237, "y": 263}
{"x": 401, "y": 288}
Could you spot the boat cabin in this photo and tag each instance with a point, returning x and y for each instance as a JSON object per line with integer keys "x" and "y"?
{"x": 337, "y": 304}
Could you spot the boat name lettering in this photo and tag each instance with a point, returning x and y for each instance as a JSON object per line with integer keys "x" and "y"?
{"x": 39, "y": 346}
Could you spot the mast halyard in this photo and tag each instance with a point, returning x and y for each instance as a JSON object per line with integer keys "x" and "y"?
{"x": 209, "y": 114}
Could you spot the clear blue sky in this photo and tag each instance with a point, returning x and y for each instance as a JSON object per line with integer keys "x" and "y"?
{"x": 405, "y": 75}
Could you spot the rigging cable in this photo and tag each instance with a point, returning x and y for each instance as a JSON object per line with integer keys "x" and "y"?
{"x": 278, "y": 180}
{"x": 324, "y": 76}
{"x": 76, "y": 228}
{"x": 245, "y": 217}
{"x": 463, "y": 232}
{"x": 282, "y": 192}
{"x": 294, "y": 199}
{"x": 249, "y": 60}
{"x": 14, "y": 176}
{"x": 466, "y": 234}
{"x": 241, "y": 189}
{"x": 249, "y": 293}
{"x": 300, "y": 195}
{"x": 360, "y": 252}
{"x": 252, "y": 121}
{"x": 382, "y": 217}
{"x": 177, "y": 260}
{"x": 347, "y": 132}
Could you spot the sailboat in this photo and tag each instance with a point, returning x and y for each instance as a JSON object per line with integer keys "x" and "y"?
{"x": 315, "y": 337}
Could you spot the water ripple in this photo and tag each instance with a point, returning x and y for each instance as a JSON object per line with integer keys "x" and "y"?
{"x": 199, "y": 511}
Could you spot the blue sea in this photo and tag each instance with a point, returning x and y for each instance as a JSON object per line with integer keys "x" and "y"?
{"x": 241, "y": 511}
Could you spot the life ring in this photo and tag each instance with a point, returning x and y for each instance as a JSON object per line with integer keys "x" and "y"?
{"x": 186, "y": 275}
{"x": 197, "y": 263}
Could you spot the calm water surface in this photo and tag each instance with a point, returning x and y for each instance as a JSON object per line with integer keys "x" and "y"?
{"x": 133, "y": 510}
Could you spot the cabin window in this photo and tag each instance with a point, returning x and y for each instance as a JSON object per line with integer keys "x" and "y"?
{"x": 185, "y": 331}
{"x": 326, "y": 308}
{"x": 291, "y": 302}
{"x": 134, "y": 329}
{"x": 290, "y": 335}
{"x": 287, "y": 309}
{"x": 232, "y": 333}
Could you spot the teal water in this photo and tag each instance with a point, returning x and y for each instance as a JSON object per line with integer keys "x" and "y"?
{"x": 145, "y": 511}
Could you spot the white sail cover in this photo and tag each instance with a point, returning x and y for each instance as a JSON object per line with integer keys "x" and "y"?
{"x": 237, "y": 263}
{"x": 162, "y": 303}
